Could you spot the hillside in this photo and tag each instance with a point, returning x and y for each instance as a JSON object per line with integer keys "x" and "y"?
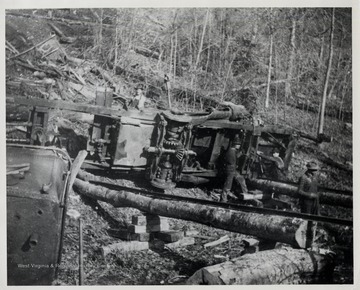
{"x": 208, "y": 56}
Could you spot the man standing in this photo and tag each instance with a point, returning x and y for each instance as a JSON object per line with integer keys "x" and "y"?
{"x": 276, "y": 167}
{"x": 139, "y": 99}
{"x": 232, "y": 174}
{"x": 309, "y": 197}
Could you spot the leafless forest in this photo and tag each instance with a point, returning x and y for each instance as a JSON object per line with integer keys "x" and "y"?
{"x": 289, "y": 67}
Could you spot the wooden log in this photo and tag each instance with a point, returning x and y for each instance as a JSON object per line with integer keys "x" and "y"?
{"x": 124, "y": 247}
{"x": 326, "y": 159}
{"x": 76, "y": 107}
{"x": 149, "y": 228}
{"x": 318, "y": 139}
{"x": 277, "y": 228}
{"x": 279, "y": 266}
{"x": 291, "y": 190}
{"x": 147, "y": 52}
{"x": 143, "y": 220}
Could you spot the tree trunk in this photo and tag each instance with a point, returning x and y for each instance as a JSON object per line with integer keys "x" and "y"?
{"x": 286, "y": 230}
{"x": 100, "y": 33}
{"x": 270, "y": 64}
{"x": 291, "y": 60}
{"x": 328, "y": 71}
{"x": 279, "y": 266}
{"x": 291, "y": 190}
{"x": 116, "y": 41}
{"x": 171, "y": 55}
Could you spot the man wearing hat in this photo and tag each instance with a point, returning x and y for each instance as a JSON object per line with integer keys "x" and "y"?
{"x": 276, "y": 166}
{"x": 231, "y": 170}
{"x": 139, "y": 99}
{"x": 309, "y": 197}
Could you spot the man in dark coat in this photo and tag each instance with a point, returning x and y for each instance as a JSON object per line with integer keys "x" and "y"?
{"x": 232, "y": 174}
{"x": 309, "y": 197}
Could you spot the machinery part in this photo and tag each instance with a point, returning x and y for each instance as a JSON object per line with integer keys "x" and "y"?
{"x": 169, "y": 157}
{"x": 34, "y": 220}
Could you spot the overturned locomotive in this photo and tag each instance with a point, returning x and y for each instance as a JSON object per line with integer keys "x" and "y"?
{"x": 170, "y": 146}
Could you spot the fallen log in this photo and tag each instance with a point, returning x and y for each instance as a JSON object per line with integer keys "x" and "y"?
{"x": 291, "y": 190}
{"x": 317, "y": 139}
{"x": 279, "y": 266}
{"x": 33, "y": 47}
{"x": 320, "y": 188}
{"x": 329, "y": 161}
{"x": 277, "y": 228}
{"x": 124, "y": 247}
{"x": 147, "y": 52}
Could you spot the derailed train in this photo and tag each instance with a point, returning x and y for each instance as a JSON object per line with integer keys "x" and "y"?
{"x": 168, "y": 147}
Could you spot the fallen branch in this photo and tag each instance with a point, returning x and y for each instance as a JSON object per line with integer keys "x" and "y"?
{"x": 217, "y": 242}
{"x": 12, "y": 47}
{"x": 56, "y": 30}
{"x": 64, "y": 20}
{"x": 33, "y": 47}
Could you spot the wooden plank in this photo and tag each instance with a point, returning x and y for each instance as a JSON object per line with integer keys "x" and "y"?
{"x": 143, "y": 220}
{"x": 169, "y": 236}
{"x": 149, "y": 228}
{"x": 62, "y": 105}
{"x": 84, "y": 90}
{"x": 191, "y": 233}
{"x": 127, "y": 236}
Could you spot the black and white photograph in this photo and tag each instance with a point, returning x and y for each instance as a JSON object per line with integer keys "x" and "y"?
{"x": 164, "y": 145}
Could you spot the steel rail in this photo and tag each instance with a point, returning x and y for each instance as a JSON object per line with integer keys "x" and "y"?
{"x": 231, "y": 206}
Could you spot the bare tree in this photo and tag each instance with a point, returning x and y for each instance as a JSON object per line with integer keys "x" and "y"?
{"x": 291, "y": 58}
{"x": 270, "y": 63}
{"x": 328, "y": 72}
